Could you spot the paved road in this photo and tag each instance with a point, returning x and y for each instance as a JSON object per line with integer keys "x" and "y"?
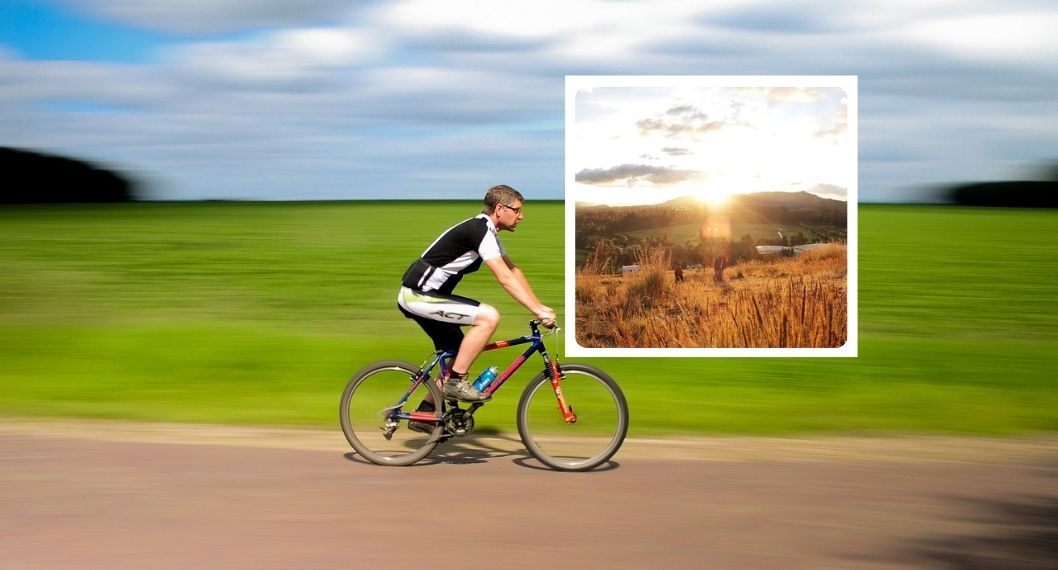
{"x": 73, "y": 496}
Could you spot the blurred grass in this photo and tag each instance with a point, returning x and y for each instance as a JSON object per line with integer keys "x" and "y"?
{"x": 257, "y": 313}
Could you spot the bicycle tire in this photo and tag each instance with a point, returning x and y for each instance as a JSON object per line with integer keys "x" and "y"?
{"x": 364, "y": 411}
{"x": 600, "y": 429}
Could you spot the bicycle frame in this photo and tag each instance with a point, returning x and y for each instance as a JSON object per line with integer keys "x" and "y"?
{"x": 536, "y": 342}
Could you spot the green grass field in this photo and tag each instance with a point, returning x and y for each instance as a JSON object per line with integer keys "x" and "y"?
{"x": 257, "y": 313}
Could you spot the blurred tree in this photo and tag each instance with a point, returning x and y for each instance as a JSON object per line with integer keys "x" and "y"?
{"x": 743, "y": 249}
{"x": 1012, "y": 194}
{"x": 34, "y": 178}
{"x": 1051, "y": 172}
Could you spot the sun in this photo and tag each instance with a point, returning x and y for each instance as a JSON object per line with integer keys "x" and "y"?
{"x": 713, "y": 196}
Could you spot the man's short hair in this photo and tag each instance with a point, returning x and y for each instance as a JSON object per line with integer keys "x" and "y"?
{"x": 497, "y": 195}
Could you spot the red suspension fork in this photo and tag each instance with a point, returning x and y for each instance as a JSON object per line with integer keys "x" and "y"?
{"x": 556, "y": 379}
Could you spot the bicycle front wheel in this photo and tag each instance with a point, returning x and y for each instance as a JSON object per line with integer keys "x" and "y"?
{"x": 375, "y": 414}
{"x": 601, "y": 419}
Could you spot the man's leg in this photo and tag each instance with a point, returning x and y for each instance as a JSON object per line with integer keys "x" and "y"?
{"x": 447, "y": 335}
{"x": 456, "y": 386}
{"x": 441, "y": 316}
{"x": 476, "y": 337}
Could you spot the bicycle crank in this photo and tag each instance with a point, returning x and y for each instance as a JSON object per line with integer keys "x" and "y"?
{"x": 459, "y": 422}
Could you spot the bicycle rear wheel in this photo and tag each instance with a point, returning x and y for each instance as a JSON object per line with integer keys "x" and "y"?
{"x": 602, "y": 419}
{"x": 374, "y": 413}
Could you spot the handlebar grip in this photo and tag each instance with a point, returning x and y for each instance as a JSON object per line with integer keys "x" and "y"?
{"x": 537, "y": 322}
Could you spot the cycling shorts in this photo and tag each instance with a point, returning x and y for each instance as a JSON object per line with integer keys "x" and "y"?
{"x": 439, "y": 315}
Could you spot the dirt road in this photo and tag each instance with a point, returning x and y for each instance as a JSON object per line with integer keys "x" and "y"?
{"x": 111, "y": 495}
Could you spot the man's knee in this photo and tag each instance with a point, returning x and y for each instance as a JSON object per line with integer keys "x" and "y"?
{"x": 487, "y": 317}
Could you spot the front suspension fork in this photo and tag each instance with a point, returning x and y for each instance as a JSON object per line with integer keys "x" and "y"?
{"x": 555, "y": 376}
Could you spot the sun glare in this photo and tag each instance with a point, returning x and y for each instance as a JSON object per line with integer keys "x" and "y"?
{"x": 713, "y": 196}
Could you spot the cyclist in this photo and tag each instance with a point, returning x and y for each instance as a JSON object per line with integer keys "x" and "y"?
{"x": 426, "y": 290}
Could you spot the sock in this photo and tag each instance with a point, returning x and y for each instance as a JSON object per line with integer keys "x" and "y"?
{"x": 456, "y": 376}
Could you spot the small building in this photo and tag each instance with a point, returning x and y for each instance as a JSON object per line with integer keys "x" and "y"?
{"x": 763, "y": 250}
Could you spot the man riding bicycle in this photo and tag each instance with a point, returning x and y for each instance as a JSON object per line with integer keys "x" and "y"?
{"x": 426, "y": 288}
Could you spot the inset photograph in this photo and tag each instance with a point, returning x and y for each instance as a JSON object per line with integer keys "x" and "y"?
{"x": 711, "y": 216}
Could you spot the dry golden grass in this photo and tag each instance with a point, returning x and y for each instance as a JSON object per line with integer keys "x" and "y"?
{"x": 798, "y": 302}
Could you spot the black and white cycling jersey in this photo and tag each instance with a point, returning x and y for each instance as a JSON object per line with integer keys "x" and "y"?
{"x": 459, "y": 250}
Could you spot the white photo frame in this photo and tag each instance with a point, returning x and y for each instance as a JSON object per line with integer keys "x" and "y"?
{"x": 652, "y": 141}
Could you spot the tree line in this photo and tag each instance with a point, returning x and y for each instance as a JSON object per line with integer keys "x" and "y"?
{"x": 37, "y": 178}
{"x": 606, "y": 233}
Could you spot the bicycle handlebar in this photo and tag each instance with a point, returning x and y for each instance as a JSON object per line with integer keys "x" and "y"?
{"x": 554, "y": 328}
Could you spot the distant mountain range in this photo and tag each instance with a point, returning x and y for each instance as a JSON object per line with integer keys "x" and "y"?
{"x": 800, "y": 199}
{"x": 756, "y": 207}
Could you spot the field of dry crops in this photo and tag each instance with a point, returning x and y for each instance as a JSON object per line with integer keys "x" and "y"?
{"x": 795, "y": 302}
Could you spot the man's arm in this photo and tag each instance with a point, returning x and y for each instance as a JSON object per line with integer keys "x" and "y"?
{"x": 517, "y": 286}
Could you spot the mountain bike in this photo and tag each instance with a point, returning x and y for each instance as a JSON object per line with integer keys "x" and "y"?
{"x": 571, "y": 417}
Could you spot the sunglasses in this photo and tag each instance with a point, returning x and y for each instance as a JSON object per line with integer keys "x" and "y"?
{"x": 517, "y": 210}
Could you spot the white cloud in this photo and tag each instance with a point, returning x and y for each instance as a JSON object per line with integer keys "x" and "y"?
{"x": 635, "y": 174}
{"x": 287, "y": 55}
{"x": 550, "y": 20}
{"x": 1026, "y": 38}
{"x": 57, "y": 82}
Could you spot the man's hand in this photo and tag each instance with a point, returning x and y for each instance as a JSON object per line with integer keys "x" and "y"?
{"x": 546, "y": 316}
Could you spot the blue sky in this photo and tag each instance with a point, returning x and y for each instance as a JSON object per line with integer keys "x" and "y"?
{"x": 329, "y": 99}
{"x": 42, "y": 31}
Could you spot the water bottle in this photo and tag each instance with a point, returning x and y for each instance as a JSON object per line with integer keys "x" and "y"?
{"x": 486, "y": 378}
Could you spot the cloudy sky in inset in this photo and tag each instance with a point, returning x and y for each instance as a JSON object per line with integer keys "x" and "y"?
{"x": 709, "y": 137}
{"x": 329, "y": 99}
